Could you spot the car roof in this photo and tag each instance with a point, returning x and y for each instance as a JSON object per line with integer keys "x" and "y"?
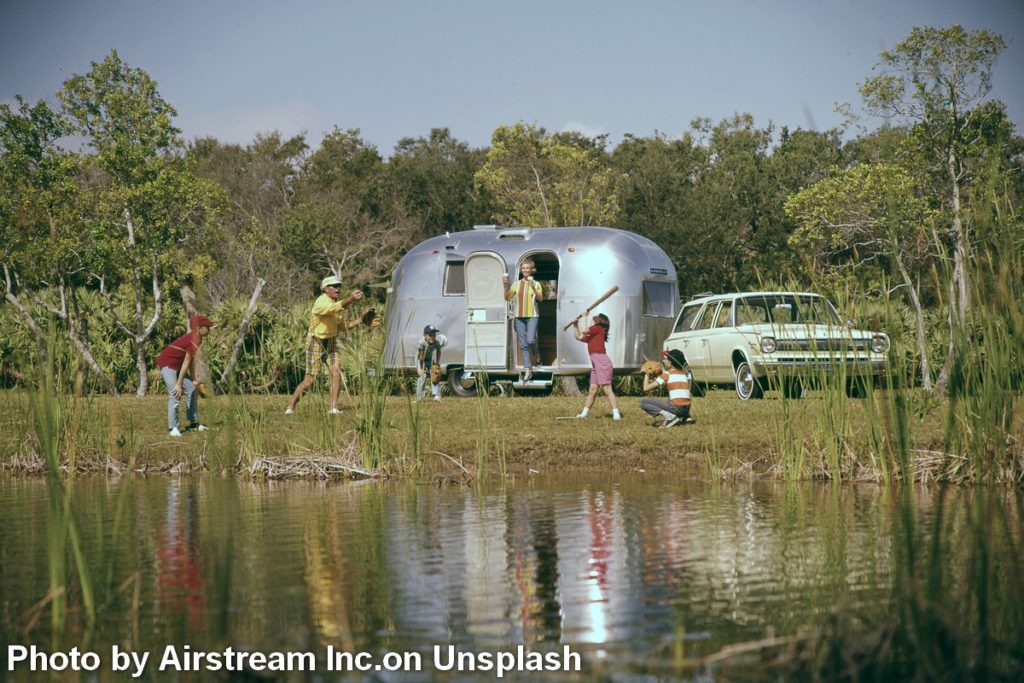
{"x": 704, "y": 297}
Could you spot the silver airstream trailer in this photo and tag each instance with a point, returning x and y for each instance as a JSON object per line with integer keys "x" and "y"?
{"x": 454, "y": 282}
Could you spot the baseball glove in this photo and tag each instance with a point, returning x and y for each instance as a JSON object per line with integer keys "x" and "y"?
{"x": 435, "y": 373}
{"x": 200, "y": 389}
{"x": 369, "y": 317}
{"x": 651, "y": 368}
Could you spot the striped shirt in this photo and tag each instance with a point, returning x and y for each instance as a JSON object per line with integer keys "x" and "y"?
{"x": 525, "y": 298}
{"x": 678, "y": 383}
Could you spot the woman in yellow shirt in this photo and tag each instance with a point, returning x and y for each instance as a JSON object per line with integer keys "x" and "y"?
{"x": 526, "y": 293}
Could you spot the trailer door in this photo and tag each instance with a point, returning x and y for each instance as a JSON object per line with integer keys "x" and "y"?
{"x": 486, "y": 313}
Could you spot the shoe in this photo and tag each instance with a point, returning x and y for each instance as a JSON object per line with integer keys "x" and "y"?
{"x": 527, "y": 375}
{"x": 581, "y": 416}
{"x": 690, "y": 420}
{"x": 671, "y": 423}
{"x": 334, "y": 411}
{"x": 175, "y": 432}
{"x": 196, "y": 427}
{"x": 289, "y": 411}
{"x": 616, "y": 417}
{"x": 437, "y": 399}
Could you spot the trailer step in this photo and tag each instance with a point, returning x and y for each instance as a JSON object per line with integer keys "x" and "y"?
{"x": 533, "y": 383}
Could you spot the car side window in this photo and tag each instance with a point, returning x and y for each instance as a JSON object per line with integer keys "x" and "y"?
{"x": 707, "y": 317}
{"x": 751, "y": 312}
{"x": 686, "y": 318}
{"x": 723, "y": 315}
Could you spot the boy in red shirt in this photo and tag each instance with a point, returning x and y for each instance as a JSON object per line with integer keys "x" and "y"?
{"x": 175, "y": 361}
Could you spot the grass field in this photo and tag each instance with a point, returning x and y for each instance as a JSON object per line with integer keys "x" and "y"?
{"x": 470, "y": 437}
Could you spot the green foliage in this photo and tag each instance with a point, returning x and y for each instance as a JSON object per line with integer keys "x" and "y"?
{"x": 865, "y": 214}
{"x": 542, "y": 180}
{"x": 433, "y": 178}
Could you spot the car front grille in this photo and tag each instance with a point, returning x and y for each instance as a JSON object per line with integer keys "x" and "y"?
{"x": 825, "y": 345}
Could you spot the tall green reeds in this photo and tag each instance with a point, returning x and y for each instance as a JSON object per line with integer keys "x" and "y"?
{"x": 62, "y": 527}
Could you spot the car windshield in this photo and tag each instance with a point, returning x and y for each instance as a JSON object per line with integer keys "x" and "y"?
{"x": 785, "y": 309}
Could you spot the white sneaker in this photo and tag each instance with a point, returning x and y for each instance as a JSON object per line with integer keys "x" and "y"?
{"x": 616, "y": 417}
{"x": 581, "y": 416}
{"x": 175, "y": 432}
{"x": 334, "y": 411}
{"x": 437, "y": 398}
{"x": 671, "y": 423}
{"x": 289, "y": 411}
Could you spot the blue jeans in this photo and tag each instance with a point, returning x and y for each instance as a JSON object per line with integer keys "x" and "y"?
{"x": 170, "y": 376}
{"x": 421, "y": 382}
{"x": 526, "y": 334}
{"x": 653, "y": 407}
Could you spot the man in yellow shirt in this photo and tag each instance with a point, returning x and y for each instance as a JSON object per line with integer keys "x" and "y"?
{"x": 326, "y": 318}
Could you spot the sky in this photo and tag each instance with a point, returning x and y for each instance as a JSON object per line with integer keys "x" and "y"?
{"x": 395, "y": 69}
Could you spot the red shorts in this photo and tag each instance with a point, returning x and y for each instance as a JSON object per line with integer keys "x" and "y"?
{"x": 602, "y": 372}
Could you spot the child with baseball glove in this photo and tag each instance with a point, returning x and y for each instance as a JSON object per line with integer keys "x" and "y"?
{"x": 428, "y": 360}
{"x": 673, "y": 376}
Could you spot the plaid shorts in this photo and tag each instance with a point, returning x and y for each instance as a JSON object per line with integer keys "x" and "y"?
{"x": 321, "y": 352}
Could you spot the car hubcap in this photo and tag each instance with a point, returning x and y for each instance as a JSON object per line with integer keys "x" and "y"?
{"x": 746, "y": 381}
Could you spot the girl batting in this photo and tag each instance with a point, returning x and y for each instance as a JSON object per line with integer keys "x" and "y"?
{"x": 601, "y": 374}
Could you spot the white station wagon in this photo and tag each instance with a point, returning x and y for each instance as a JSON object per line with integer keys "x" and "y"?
{"x": 786, "y": 339}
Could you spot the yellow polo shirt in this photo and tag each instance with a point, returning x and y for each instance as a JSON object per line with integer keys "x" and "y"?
{"x": 325, "y": 316}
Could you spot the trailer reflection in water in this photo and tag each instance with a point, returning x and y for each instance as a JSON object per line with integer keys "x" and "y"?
{"x": 632, "y": 572}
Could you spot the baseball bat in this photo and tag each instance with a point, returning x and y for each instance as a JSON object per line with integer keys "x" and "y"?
{"x": 592, "y": 306}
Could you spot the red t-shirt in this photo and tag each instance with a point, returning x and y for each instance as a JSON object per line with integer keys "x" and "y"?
{"x": 173, "y": 354}
{"x": 595, "y": 336}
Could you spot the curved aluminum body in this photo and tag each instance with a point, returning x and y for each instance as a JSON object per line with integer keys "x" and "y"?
{"x": 575, "y": 266}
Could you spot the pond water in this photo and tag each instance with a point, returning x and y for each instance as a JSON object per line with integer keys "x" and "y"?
{"x": 639, "y": 575}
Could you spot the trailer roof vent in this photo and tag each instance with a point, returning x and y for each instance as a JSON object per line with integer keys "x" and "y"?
{"x": 488, "y": 227}
{"x": 517, "y": 234}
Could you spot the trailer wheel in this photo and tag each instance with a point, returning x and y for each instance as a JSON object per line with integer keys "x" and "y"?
{"x": 458, "y": 385}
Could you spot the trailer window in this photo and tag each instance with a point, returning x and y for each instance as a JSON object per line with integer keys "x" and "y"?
{"x": 454, "y": 279}
{"x": 659, "y": 298}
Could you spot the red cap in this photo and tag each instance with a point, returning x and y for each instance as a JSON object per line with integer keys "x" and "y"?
{"x": 197, "y": 321}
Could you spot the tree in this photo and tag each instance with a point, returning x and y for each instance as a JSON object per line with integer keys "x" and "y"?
{"x": 542, "y": 180}
{"x": 734, "y": 213}
{"x": 151, "y": 208}
{"x": 344, "y": 219}
{"x": 934, "y": 81}
{"x": 45, "y": 222}
{"x": 260, "y": 179}
{"x": 869, "y": 213}
{"x": 433, "y": 178}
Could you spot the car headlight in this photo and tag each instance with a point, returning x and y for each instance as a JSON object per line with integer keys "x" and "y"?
{"x": 768, "y": 344}
{"x": 879, "y": 343}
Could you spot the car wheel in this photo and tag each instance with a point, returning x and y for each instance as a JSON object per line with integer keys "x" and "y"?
{"x": 461, "y": 386}
{"x": 747, "y": 385}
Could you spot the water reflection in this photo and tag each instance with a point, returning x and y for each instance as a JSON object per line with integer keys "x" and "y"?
{"x": 631, "y": 570}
